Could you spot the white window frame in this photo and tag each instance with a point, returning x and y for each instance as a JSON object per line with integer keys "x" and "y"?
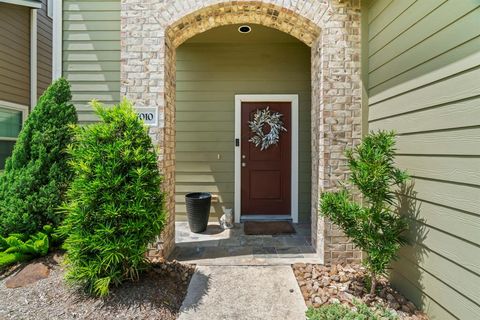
{"x": 14, "y": 107}
{"x": 50, "y": 9}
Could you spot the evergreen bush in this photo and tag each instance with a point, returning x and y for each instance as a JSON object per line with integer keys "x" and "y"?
{"x": 114, "y": 204}
{"x": 36, "y": 176}
{"x": 375, "y": 226}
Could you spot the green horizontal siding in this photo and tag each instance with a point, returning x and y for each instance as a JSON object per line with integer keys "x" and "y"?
{"x": 423, "y": 71}
{"x": 91, "y": 53}
{"x": 209, "y": 74}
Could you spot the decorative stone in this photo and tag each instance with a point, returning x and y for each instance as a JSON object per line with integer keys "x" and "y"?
{"x": 394, "y": 305}
{"x": 411, "y": 306}
{"x": 331, "y": 291}
{"x": 400, "y": 299}
{"x": 390, "y": 298}
{"x": 334, "y": 300}
{"x": 30, "y": 274}
{"x": 318, "y": 300}
{"x": 405, "y": 308}
{"x": 333, "y": 270}
{"x": 58, "y": 258}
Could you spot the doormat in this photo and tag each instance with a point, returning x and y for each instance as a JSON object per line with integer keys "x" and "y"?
{"x": 268, "y": 228}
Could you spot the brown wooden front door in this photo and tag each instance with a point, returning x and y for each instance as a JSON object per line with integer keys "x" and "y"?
{"x": 266, "y": 174}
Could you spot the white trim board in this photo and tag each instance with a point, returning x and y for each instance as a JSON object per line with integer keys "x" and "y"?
{"x": 293, "y": 99}
{"x": 57, "y": 40}
{"x": 33, "y": 58}
{"x": 26, "y": 3}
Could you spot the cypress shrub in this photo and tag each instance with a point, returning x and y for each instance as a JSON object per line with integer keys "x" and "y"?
{"x": 374, "y": 225}
{"x": 36, "y": 176}
{"x": 114, "y": 204}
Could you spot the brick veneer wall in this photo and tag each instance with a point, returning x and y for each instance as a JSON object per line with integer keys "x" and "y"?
{"x": 152, "y": 30}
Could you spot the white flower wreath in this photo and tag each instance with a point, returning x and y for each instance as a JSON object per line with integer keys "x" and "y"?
{"x": 260, "y": 118}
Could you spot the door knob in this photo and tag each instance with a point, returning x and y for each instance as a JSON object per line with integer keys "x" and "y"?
{"x": 244, "y": 164}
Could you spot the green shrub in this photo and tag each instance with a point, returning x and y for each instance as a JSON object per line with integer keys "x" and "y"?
{"x": 114, "y": 204}
{"x": 374, "y": 226}
{"x": 361, "y": 311}
{"x": 20, "y": 247}
{"x": 36, "y": 176}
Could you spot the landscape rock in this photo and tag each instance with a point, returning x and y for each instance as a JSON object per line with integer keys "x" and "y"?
{"x": 321, "y": 285}
{"x": 30, "y": 274}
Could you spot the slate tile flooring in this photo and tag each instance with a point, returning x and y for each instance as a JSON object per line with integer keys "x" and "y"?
{"x": 216, "y": 246}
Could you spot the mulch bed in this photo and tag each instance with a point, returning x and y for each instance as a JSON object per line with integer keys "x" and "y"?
{"x": 158, "y": 294}
{"x": 321, "y": 285}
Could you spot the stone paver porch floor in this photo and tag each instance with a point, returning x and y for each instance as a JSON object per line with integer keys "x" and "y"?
{"x": 216, "y": 246}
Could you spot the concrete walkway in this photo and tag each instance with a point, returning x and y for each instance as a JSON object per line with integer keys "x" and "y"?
{"x": 243, "y": 292}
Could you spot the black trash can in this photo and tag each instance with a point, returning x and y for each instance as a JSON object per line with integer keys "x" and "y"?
{"x": 198, "y": 210}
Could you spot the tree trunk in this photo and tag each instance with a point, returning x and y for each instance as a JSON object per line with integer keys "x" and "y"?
{"x": 373, "y": 284}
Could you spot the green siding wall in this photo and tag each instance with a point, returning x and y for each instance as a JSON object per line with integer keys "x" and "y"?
{"x": 211, "y": 69}
{"x": 423, "y": 82}
{"x": 91, "y": 52}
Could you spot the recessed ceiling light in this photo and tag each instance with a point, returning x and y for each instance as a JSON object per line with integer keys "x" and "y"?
{"x": 244, "y": 29}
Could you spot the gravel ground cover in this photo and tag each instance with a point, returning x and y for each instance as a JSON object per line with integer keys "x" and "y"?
{"x": 157, "y": 295}
{"x": 321, "y": 285}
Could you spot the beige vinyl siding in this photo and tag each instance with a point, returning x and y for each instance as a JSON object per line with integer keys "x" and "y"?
{"x": 91, "y": 53}
{"x": 44, "y": 51}
{"x": 423, "y": 82}
{"x": 15, "y": 54}
{"x": 211, "y": 69}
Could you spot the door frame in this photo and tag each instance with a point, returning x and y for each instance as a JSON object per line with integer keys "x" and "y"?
{"x": 293, "y": 99}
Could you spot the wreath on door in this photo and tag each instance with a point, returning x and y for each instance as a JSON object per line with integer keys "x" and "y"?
{"x": 262, "y": 117}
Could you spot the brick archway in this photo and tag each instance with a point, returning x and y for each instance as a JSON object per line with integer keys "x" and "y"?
{"x": 152, "y": 32}
{"x": 269, "y": 15}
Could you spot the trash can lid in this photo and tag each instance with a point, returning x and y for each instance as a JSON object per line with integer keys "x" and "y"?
{"x": 198, "y": 195}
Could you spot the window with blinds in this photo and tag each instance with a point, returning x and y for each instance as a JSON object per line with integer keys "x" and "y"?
{"x": 11, "y": 121}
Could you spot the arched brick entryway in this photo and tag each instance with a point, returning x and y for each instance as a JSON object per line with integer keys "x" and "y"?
{"x": 152, "y": 31}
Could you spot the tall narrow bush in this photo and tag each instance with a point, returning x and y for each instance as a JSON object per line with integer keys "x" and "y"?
{"x": 36, "y": 176}
{"x": 375, "y": 225}
{"x": 114, "y": 205}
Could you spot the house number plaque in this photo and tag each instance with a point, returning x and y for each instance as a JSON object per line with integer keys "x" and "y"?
{"x": 148, "y": 115}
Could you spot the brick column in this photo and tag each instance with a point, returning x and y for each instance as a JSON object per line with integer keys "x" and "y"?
{"x": 339, "y": 115}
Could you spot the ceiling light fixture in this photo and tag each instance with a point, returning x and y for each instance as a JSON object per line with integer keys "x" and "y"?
{"x": 244, "y": 29}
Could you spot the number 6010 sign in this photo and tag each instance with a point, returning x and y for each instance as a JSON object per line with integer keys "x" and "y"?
{"x": 148, "y": 115}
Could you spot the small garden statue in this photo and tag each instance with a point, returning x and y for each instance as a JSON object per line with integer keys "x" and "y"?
{"x": 374, "y": 225}
{"x": 226, "y": 220}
